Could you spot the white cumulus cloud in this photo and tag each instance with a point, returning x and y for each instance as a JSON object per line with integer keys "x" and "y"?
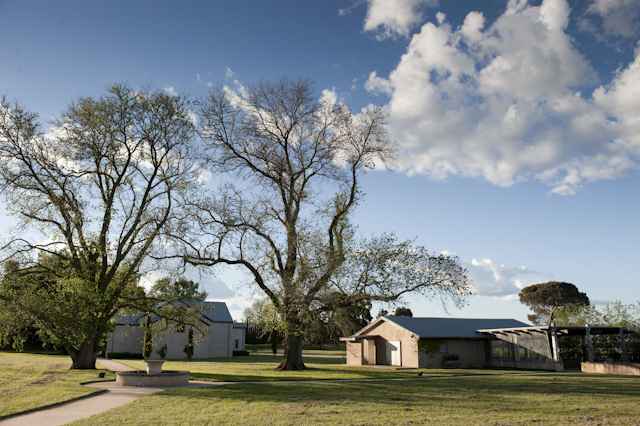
{"x": 170, "y": 90}
{"x": 394, "y": 18}
{"x": 616, "y": 17}
{"x": 497, "y": 280}
{"x": 503, "y": 103}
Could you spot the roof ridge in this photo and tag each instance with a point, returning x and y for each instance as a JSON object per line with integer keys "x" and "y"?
{"x": 453, "y": 318}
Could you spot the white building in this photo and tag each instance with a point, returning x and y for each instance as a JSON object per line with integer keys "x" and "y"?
{"x": 222, "y": 337}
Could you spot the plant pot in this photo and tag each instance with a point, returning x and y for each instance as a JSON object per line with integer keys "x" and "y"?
{"x": 154, "y": 366}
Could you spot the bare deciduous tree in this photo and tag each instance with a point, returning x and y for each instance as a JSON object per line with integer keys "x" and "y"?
{"x": 100, "y": 186}
{"x": 293, "y": 166}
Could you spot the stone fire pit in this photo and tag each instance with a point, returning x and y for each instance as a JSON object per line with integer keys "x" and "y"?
{"x": 142, "y": 379}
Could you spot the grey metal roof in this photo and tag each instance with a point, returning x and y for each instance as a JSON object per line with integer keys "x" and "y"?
{"x": 452, "y": 327}
{"x": 216, "y": 311}
{"x": 133, "y": 319}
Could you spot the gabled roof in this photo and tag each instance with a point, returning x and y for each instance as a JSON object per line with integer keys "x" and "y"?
{"x": 452, "y": 327}
{"x": 445, "y": 327}
{"x": 216, "y": 311}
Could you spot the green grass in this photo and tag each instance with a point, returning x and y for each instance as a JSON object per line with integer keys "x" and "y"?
{"x": 326, "y": 351}
{"x": 262, "y": 368}
{"x": 439, "y": 398}
{"x": 29, "y": 381}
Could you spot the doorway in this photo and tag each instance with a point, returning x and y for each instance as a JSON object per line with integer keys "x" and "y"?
{"x": 393, "y": 355}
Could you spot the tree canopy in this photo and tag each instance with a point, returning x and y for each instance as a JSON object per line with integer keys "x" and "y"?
{"x": 111, "y": 185}
{"x": 99, "y": 186}
{"x": 402, "y": 311}
{"x": 292, "y": 166}
{"x": 168, "y": 289}
{"x": 614, "y": 314}
{"x": 545, "y": 299}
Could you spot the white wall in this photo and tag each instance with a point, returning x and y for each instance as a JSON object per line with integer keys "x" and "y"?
{"x": 239, "y": 335}
{"x": 125, "y": 338}
{"x": 218, "y": 342}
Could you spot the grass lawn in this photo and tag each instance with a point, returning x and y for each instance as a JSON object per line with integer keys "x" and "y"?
{"x": 328, "y": 351}
{"x": 30, "y": 380}
{"x": 438, "y": 398}
{"x": 261, "y": 367}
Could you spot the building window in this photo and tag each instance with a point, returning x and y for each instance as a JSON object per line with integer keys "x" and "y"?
{"x": 237, "y": 343}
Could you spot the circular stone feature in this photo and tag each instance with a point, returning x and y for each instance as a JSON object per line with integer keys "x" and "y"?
{"x": 142, "y": 379}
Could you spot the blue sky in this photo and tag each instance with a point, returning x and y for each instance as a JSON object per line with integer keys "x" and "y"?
{"x": 515, "y": 121}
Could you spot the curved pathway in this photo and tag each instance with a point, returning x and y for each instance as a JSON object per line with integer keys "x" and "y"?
{"x": 86, "y": 407}
{"x": 63, "y": 413}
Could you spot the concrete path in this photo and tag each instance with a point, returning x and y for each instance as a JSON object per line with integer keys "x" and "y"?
{"x": 67, "y": 413}
{"x": 115, "y": 396}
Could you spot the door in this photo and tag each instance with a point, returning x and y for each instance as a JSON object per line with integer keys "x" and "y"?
{"x": 393, "y": 352}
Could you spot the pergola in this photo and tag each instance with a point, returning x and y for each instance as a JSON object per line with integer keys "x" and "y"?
{"x": 553, "y": 332}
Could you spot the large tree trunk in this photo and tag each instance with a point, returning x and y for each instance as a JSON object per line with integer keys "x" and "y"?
{"x": 85, "y": 357}
{"x": 293, "y": 353}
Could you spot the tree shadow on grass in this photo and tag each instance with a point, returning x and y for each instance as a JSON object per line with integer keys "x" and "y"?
{"x": 495, "y": 392}
{"x": 274, "y": 359}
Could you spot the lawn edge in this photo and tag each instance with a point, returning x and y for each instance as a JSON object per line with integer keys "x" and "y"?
{"x": 90, "y": 394}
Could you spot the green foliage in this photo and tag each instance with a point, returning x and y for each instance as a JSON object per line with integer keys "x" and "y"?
{"x": 402, "y": 311}
{"x": 65, "y": 309}
{"x": 335, "y": 315}
{"x": 189, "y": 347}
{"x": 147, "y": 343}
{"x": 101, "y": 187}
{"x": 162, "y": 352}
{"x": 614, "y": 314}
{"x": 428, "y": 346}
{"x": 545, "y": 299}
{"x": 265, "y": 317}
{"x": 179, "y": 289}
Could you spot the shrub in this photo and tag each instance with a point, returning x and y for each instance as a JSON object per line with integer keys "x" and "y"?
{"x": 188, "y": 348}
{"x": 162, "y": 352}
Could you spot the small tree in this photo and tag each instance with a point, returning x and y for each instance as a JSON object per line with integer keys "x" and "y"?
{"x": 168, "y": 289}
{"x": 402, "y": 311}
{"x": 264, "y": 316}
{"x": 545, "y": 299}
{"x": 382, "y": 313}
{"x": 162, "y": 352}
{"x": 189, "y": 347}
{"x": 147, "y": 343}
